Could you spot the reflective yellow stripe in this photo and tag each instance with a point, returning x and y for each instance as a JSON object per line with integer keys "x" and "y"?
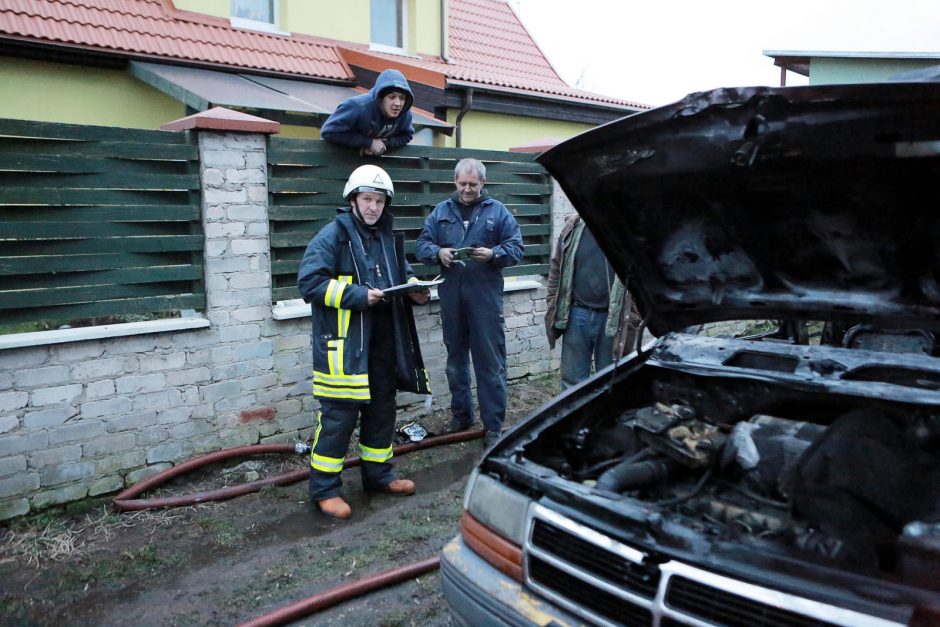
{"x": 334, "y": 293}
{"x": 316, "y": 434}
{"x": 413, "y": 279}
{"x": 342, "y": 321}
{"x": 326, "y": 464}
{"x": 367, "y": 454}
{"x": 321, "y": 462}
{"x": 352, "y": 395}
{"x": 342, "y": 380}
{"x": 352, "y": 387}
{"x": 334, "y": 356}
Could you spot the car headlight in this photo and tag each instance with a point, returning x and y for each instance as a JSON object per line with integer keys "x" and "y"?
{"x": 500, "y": 508}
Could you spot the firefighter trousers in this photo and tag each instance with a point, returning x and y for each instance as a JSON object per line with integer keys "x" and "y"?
{"x": 337, "y": 420}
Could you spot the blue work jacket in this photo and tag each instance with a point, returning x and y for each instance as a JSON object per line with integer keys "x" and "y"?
{"x": 490, "y": 225}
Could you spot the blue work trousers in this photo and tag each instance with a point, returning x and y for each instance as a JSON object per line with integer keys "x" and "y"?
{"x": 584, "y": 343}
{"x": 472, "y": 315}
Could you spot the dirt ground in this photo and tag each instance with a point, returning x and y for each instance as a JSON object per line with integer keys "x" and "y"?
{"x": 229, "y": 562}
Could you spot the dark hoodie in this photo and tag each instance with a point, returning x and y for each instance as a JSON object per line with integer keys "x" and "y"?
{"x": 359, "y": 120}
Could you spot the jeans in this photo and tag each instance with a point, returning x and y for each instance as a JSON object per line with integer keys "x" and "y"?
{"x": 584, "y": 342}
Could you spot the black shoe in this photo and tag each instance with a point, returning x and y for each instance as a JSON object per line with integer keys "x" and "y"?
{"x": 457, "y": 425}
{"x": 490, "y": 438}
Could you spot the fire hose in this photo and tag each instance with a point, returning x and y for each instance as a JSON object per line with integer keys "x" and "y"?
{"x": 126, "y": 501}
{"x": 344, "y": 592}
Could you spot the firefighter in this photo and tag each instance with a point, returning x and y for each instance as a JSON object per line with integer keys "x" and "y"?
{"x": 365, "y": 345}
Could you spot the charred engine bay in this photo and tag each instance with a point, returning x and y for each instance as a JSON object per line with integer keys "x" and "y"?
{"x": 847, "y": 481}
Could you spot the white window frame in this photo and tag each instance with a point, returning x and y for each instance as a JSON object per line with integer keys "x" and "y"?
{"x": 266, "y": 27}
{"x": 403, "y": 49}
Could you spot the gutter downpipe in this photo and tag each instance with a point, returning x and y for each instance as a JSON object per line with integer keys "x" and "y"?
{"x": 467, "y": 105}
{"x": 444, "y": 31}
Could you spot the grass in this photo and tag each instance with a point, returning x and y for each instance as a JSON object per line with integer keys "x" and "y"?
{"x": 102, "y": 551}
{"x": 223, "y": 531}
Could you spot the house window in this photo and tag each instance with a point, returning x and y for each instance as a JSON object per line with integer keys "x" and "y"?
{"x": 255, "y": 14}
{"x": 388, "y": 24}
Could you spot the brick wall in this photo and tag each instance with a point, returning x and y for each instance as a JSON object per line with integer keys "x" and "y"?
{"x": 88, "y": 418}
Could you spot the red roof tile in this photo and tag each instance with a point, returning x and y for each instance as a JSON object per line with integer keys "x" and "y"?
{"x": 488, "y": 45}
{"x": 153, "y": 28}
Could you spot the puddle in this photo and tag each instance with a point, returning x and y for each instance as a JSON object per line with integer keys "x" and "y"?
{"x": 305, "y": 522}
{"x": 443, "y": 475}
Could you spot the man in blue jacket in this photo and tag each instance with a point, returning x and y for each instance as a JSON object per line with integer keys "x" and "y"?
{"x": 365, "y": 345}
{"x": 376, "y": 121}
{"x": 472, "y": 293}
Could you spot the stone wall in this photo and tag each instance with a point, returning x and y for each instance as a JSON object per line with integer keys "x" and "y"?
{"x": 90, "y": 417}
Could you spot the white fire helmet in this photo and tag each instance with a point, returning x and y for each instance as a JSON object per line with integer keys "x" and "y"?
{"x": 369, "y": 178}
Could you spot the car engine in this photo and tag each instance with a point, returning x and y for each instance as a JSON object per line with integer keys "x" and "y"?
{"x": 848, "y": 481}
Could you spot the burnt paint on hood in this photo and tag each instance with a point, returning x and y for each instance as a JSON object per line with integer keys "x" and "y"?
{"x": 815, "y": 202}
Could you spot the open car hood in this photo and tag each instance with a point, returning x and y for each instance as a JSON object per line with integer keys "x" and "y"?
{"x": 814, "y": 203}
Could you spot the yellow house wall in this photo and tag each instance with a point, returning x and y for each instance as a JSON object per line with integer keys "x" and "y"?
{"x": 218, "y": 8}
{"x": 501, "y": 132}
{"x": 424, "y": 26}
{"x": 57, "y": 92}
{"x": 298, "y": 132}
{"x": 346, "y": 21}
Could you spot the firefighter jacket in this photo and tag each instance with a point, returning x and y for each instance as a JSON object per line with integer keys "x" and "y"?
{"x": 334, "y": 277}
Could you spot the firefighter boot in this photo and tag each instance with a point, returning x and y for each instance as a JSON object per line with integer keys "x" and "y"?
{"x": 335, "y": 507}
{"x": 404, "y": 487}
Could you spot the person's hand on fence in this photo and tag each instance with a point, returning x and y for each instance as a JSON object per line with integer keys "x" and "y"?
{"x": 377, "y": 149}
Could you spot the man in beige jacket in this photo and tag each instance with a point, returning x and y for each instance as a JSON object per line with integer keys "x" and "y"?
{"x": 588, "y": 304}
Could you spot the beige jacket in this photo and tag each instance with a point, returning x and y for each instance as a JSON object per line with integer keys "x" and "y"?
{"x": 622, "y": 316}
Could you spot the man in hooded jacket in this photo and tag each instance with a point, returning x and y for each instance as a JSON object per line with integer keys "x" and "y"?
{"x": 376, "y": 121}
{"x": 365, "y": 345}
{"x": 472, "y": 293}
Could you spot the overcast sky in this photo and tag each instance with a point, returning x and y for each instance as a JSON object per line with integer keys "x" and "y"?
{"x": 656, "y": 51}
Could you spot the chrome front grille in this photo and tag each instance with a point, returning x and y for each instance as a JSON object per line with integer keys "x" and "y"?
{"x": 609, "y": 583}
{"x": 601, "y": 602}
{"x": 589, "y": 557}
{"x": 722, "y": 608}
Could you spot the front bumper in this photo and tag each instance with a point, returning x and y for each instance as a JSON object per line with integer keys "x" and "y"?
{"x": 478, "y": 594}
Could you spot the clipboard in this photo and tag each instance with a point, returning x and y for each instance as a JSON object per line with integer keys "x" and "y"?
{"x": 414, "y": 286}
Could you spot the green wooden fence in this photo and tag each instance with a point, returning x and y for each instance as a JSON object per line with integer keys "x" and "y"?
{"x": 97, "y": 221}
{"x": 306, "y": 179}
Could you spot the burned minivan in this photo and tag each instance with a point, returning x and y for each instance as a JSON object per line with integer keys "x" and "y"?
{"x": 790, "y": 477}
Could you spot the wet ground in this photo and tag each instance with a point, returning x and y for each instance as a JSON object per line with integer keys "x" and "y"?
{"x": 230, "y": 562}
